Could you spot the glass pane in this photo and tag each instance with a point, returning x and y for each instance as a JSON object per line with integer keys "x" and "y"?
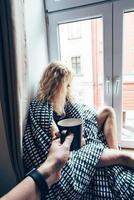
{"x": 81, "y": 47}
{"x": 128, "y": 78}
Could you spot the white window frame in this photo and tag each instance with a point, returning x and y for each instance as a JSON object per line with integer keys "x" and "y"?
{"x": 119, "y": 7}
{"x": 54, "y": 5}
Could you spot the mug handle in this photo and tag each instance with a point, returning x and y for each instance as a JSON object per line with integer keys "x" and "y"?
{"x": 63, "y": 135}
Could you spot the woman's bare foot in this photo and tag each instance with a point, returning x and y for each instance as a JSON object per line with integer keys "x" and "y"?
{"x": 127, "y": 159}
{"x": 110, "y": 157}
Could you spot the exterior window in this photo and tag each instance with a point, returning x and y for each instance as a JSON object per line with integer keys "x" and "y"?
{"x": 85, "y": 57}
{"x": 76, "y": 65}
{"x": 74, "y": 30}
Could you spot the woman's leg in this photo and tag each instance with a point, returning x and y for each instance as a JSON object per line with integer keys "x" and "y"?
{"x": 106, "y": 119}
{"x": 111, "y": 157}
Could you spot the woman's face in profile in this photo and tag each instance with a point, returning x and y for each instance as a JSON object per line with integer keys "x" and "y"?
{"x": 65, "y": 87}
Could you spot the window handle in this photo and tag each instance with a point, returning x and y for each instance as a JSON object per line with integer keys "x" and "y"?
{"x": 108, "y": 85}
{"x": 117, "y": 83}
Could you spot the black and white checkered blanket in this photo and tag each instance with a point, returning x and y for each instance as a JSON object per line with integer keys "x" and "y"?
{"x": 80, "y": 178}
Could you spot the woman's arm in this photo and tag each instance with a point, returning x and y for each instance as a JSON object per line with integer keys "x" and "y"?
{"x": 50, "y": 169}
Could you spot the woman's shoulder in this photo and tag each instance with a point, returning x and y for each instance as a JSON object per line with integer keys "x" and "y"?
{"x": 74, "y": 107}
{"x": 36, "y": 104}
{"x": 83, "y": 109}
{"x": 36, "y": 101}
{"x": 79, "y": 105}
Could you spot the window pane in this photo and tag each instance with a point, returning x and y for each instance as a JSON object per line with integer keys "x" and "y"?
{"x": 128, "y": 78}
{"x": 84, "y": 54}
{"x": 76, "y": 65}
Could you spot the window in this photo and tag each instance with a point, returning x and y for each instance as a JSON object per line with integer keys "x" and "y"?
{"x": 128, "y": 77}
{"x": 74, "y": 30}
{"x": 88, "y": 66}
{"x": 76, "y": 65}
{"x": 105, "y": 43}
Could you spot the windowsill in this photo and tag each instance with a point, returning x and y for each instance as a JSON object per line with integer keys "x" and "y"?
{"x": 126, "y": 149}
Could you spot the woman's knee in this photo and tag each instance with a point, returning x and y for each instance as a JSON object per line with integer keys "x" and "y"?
{"x": 105, "y": 113}
{"x": 108, "y": 111}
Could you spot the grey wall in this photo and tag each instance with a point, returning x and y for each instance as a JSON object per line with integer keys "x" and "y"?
{"x": 37, "y": 59}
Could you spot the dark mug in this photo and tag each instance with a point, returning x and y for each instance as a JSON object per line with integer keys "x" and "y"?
{"x": 74, "y": 126}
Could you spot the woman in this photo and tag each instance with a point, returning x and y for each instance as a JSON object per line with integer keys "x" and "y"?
{"x": 83, "y": 176}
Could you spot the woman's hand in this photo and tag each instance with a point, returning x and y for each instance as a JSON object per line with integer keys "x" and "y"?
{"x": 83, "y": 142}
{"x": 54, "y": 130}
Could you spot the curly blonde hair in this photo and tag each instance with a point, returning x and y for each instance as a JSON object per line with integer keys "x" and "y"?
{"x": 53, "y": 77}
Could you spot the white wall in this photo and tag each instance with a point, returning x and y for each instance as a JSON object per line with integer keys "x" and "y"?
{"x": 36, "y": 45}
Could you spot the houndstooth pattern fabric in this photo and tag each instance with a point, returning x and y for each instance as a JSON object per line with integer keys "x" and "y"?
{"x": 80, "y": 178}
